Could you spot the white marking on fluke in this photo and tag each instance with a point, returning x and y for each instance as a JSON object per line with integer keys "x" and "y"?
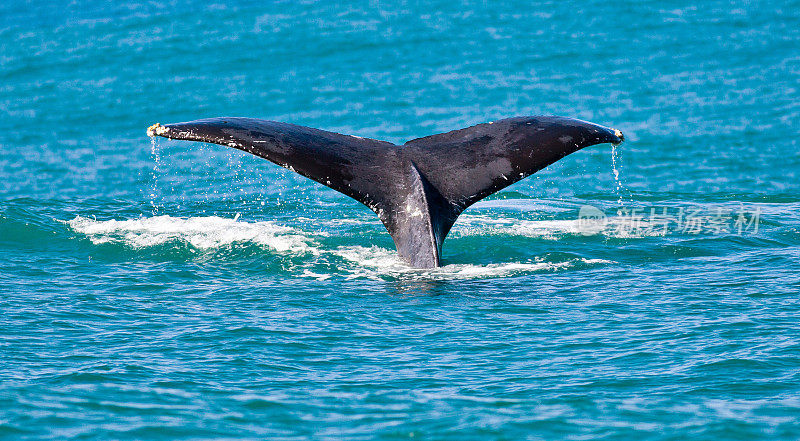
{"x": 619, "y": 135}
{"x": 156, "y": 130}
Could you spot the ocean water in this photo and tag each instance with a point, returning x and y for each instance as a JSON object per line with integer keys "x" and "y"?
{"x": 175, "y": 290}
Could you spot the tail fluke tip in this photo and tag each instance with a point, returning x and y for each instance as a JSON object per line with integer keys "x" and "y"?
{"x": 619, "y": 135}
{"x": 156, "y": 130}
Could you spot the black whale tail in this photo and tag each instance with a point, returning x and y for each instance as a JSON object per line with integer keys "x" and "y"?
{"x": 417, "y": 189}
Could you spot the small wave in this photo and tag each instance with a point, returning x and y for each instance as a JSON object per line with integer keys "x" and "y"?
{"x": 203, "y": 233}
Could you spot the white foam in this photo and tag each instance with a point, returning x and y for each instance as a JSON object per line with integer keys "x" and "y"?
{"x": 200, "y": 232}
{"x": 376, "y": 263}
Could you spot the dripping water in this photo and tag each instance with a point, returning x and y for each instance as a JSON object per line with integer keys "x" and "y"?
{"x": 155, "y": 153}
{"x": 619, "y": 189}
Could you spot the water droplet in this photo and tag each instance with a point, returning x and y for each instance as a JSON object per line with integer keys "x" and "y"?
{"x": 619, "y": 189}
{"x": 155, "y": 153}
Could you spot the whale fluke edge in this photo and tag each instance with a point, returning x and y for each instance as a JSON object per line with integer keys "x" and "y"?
{"x": 417, "y": 189}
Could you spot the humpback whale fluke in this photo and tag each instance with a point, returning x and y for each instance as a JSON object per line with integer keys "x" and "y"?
{"x": 417, "y": 189}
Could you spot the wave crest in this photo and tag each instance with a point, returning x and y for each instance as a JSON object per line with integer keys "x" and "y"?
{"x": 203, "y": 233}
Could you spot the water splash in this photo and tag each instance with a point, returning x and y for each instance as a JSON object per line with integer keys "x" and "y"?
{"x": 209, "y": 233}
{"x": 619, "y": 189}
{"x": 202, "y": 233}
{"x": 155, "y": 153}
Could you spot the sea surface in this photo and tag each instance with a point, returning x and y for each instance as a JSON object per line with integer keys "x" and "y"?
{"x": 175, "y": 290}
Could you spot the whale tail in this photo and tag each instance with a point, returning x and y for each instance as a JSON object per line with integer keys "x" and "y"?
{"x": 417, "y": 189}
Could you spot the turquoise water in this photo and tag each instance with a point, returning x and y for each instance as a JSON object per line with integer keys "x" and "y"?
{"x": 176, "y": 290}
